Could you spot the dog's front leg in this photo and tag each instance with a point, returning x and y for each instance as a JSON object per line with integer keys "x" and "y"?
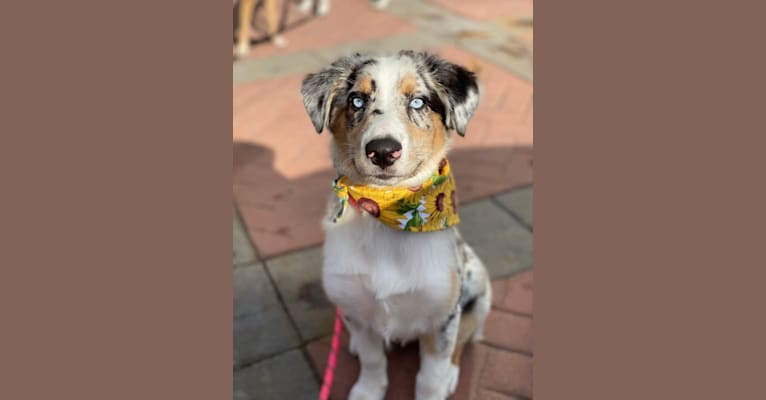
{"x": 368, "y": 345}
{"x": 438, "y": 376}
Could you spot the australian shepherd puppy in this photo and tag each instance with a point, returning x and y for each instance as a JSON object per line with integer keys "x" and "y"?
{"x": 391, "y": 119}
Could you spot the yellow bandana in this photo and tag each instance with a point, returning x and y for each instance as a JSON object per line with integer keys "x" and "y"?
{"x": 425, "y": 208}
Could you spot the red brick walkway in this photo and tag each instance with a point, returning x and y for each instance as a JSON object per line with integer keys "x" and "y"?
{"x": 498, "y": 368}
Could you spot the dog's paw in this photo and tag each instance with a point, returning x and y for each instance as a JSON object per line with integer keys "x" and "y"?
{"x": 368, "y": 391}
{"x": 380, "y": 4}
{"x": 439, "y": 387}
{"x": 323, "y": 7}
{"x": 278, "y": 41}
{"x": 305, "y": 6}
{"x": 242, "y": 50}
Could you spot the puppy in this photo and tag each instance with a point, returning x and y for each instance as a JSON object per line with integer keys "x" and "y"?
{"x": 394, "y": 262}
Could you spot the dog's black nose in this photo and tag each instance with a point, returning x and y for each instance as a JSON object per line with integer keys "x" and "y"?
{"x": 383, "y": 152}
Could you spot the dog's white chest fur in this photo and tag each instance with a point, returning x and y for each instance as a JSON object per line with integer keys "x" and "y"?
{"x": 397, "y": 283}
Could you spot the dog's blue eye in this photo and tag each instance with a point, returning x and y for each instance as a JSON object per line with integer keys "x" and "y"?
{"x": 357, "y": 102}
{"x": 417, "y": 104}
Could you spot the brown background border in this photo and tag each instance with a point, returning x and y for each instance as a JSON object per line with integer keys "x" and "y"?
{"x": 116, "y": 206}
{"x": 649, "y": 200}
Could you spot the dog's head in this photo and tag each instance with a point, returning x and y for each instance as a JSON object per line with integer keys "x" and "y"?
{"x": 390, "y": 116}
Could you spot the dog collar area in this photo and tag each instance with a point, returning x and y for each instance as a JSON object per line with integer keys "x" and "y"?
{"x": 429, "y": 207}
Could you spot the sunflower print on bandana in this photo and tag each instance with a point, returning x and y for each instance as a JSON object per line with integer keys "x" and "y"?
{"x": 431, "y": 206}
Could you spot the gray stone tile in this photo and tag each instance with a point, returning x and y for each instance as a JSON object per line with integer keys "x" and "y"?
{"x": 287, "y": 376}
{"x": 269, "y": 67}
{"x": 511, "y": 53}
{"x": 298, "y": 279}
{"x": 243, "y": 251}
{"x": 520, "y": 203}
{"x": 389, "y": 44}
{"x": 261, "y": 326}
{"x": 501, "y": 242}
{"x": 312, "y": 60}
{"x": 500, "y": 46}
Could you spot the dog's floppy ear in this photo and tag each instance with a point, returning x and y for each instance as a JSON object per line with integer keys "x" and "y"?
{"x": 456, "y": 87}
{"x": 319, "y": 89}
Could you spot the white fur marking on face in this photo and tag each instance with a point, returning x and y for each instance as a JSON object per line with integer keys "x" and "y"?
{"x": 387, "y": 73}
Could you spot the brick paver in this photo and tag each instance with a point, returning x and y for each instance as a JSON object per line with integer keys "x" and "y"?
{"x": 287, "y": 376}
{"x": 513, "y": 294}
{"x": 519, "y": 203}
{"x": 298, "y": 279}
{"x": 261, "y": 326}
{"x": 504, "y": 245}
{"x": 242, "y": 250}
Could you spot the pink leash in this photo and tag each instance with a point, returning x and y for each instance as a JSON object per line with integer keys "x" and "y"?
{"x": 332, "y": 358}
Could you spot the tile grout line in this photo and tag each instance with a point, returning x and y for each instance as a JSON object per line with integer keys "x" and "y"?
{"x": 512, "y": 396}
{"x": 303, "y": 344}
{"x": 507, "y": 350}
{"x": 484, "y": 363}
{"x": 245, "y": 232}
{"x": 512, "y": 274}
{"x": 267, "y": 357}
{"x": 513, "y": 214}
{"x": 514, "y": 313}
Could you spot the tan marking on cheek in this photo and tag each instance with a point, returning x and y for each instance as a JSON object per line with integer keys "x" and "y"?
{"x": 408, "y": 84}
{"x": 345, "y": 139}
{"x": 428, "y": 142}
{"x": 364, "y": 84}
{"x": 339, "y": 132}
{"x": 438, "y": 132}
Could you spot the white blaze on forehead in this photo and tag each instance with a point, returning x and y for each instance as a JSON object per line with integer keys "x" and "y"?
{"x": 387, "y": 73}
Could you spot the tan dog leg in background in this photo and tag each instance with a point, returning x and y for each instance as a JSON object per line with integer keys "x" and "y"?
{"x": 246, "y": 8}
{"x": 272, "y": 23}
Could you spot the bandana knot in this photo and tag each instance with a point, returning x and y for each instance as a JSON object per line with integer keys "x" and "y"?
{"x": 430, "y": 206}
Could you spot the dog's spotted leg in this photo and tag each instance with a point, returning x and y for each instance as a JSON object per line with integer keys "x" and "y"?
{"x": 476, "y": 289}
{"x": 437, "y": 378}
{"x": 373, "y": 381}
